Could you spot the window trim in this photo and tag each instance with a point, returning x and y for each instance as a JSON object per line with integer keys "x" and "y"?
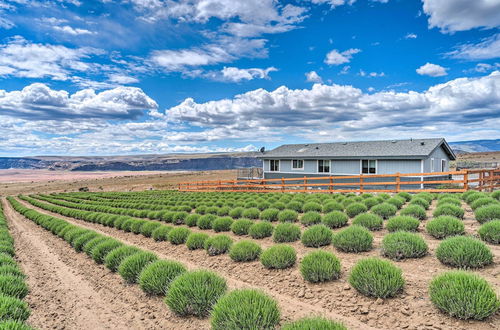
{"x": 329, "y": 165}
{"x": 443, "y": 165}
{"x": 432, "y": 165}
{"x": 361, "y": 167}
{"x": 279, "y": 165}
{"x": 297, "y": 168}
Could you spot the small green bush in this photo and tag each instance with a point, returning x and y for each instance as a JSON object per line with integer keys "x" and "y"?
{"x": 222, "y": 224}
{"x": 384, "y": 210}
{"x": 421, "y": 202}
{"x": 205, "y": 221}
{"x": 490, "y": 232}
{"x": 371, "y": 202}
{"x": 80, "y": 242}
{"x": 13, "y": 286}
{"x": 178, "y": 235}
{"x": 415, "y": 211}
{"x": 353, "y": 239}
{"x": 115, "y": 257}
{"x": 279, "y": 256}
{"x": 251, "y": 213}
{"x": 449, "y": 209}
{"x": 132, "y": 266}
{"x": 240, "y": 227}
{"x": 335, "y": 219}
{"x": 13, "y": 309}
{"x": 160, "y": 234}
{"x": 245, "y": 309}
{"x": 377, "y": 278}
{"x": 449, "y": 200}
{"x": 288, "y": 216}
{"x": 195, "y": 293}
{"x": 463, "y": 295}
{"x": 156, "y": 277}
{"x": 196, "y": 241}
{"x": 312, "y": 207}
{"x": 405, "y": 195}
{"x": 402, "y": 223}
{"x": 332, "y": 206}
{"x": 261, "y": 229}
{"x": 464, "y": 252}
{"x": 445, "y": 226}
{"x": 313, "y": 323}
{"x": 90, "y": 245}
{"x": 396, "y": 201}
{"x": 475, "y": 195}
{"x": 10, "y": 270}
{"x": 218, "y": 244}
{"x": 310, "y": 218}
{"x": 369, "y": 221}
{"x": 402, "y": 245}
{"x": 320, "y": 266}
{"x": 192, "y": 220}
{"x": 480, "y": 202}
{"x": 316, "y": 236}
{"x": 100, "y": 251}
{"x": 245, "y": 251}
{"x": 270, "y": 214}
{"x": 236, "y": 213}
{"x": 148, "y": 228}
{"x": 487, "y": 213}
{"x": 286, "y": 232}
{"x": 354, "y": 209}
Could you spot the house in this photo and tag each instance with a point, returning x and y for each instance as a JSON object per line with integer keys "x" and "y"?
{"x": 355, "y": 158}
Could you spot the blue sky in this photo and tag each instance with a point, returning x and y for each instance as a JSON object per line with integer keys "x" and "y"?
{"x": 158, "y": 76}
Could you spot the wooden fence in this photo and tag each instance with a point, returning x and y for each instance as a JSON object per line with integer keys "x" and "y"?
{"x": 452, "y": 181}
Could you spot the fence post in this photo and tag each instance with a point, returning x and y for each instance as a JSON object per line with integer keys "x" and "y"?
{"x": 398, "y": 180}
{"x": 282, "y": 184}
{"x": 492, "y": 174}
{"x": 466, "y": 180}
{"x": 481, "y": 176}
{"x": 305, "y": 182}
{"x": 361, "y": 183}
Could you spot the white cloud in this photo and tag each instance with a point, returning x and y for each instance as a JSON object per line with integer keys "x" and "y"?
{"x": 335, "y": 57}
{"x": 237, "y": 74}
{"x": 72, "y": 31}
{"x": 433, "y": 70}
{"x": 371, "y": 74}
{"x": 312, "y": 76}
{"x": 462, "y": 15}
{"x": 333, "y": 3}
{"x": 485, "y": 67}
{"x": 122, "y": 79}
{"x": 411, "y": 36}
{"x": 485, "y": 49}
{"x": 38, "y": 101}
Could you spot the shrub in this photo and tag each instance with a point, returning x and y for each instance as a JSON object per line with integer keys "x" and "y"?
{"x": 335, "y": 219}
{"x": 261, "y": 229}
{"x": 396, "y": 201}
{"x": 205, "y": 221}
{"x": 384, "y": 210}
{"x": 156, "y": 277}
{"x": 223, "y": 211}
{"x": 476, "y": 195}
{"x": 463, "y": 295}
{"x": 196, "y": 241}
{"x": 148, "y": 228}
{"x": 251, "y": 213}
{"x": 178, "y": 235}
{"x": 192, "y": 219}
{"x": 288, "y": 216}
{"x": 100, "y": 251}
{"x": 270, "y": 214}
{"x": 90, "y": 245}
{"x": 310, "y": 218}
{"x": 222, "y": 224}
{"x": 279, "y": 256}
{"x": 245, "y": 309}
{"x": 376, "y": 277}
{"x": 353, "y": 239}
{"x": 218, "y": 244}
{"x": 194, "y": 293}
{"x": 421, "y": 202}
{"x": 131, "y": 266}
{"x": 137, "y": 225}
{"x": 115, "y": 257}
{"x": 490, "y": 232}
{"x": 11, "y": 270}
{"x": 487, "y": 213}
{"x": 312, "y": 206}
{"x": 449, "y": 200}
{"x": 371, "y": 202}
{"x": 295, "y": 206}
{"x": 80, "y": 242}
{"x": 313, "y": 323}
{"x": 240, "y": 227}
{"x": 161, "y": 233}
{"x": 369, "y": 221}
{"x": 402, "y": 245}
{"x": 13, "y": 309}
{"x": 332, "y": 206}
{"x": 13, "y": 286}
{"x": 464, "y": 252}
{"x": 236, "y": 213}
{"x": 445, "y": 226}
{"x": 449, "y": 209}
{"x": 320, "y": 266}
{"x": 483, "y": 202}
{"x": 415, "y": 211}
{"x": 286, "y": 232}
{"x": 316, "y": 236}
{"x": 405, "y": 195}
{"x": 245, "y": 251}
{"x": 354, "y": 209}
{"x": 402, "y": 223}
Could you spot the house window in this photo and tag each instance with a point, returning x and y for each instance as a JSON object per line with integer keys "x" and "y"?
{"x": 274, "y": 165}
{"x": 368, "y": 166}
{"x": 443, "y": 165}
{"x": 297, "y": 164}
{"x": 432, "y": 164}
{"x": 323, "y": 166}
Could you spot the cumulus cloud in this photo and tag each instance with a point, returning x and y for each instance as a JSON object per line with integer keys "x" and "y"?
{"x": 39, "y": 102}
{"x": 487, "y": 48}
{"x": 312, "y": 76}
{"x": 335, "y": 57}
{"x": 433, "y": 70}
{"x": 462, "y": 15}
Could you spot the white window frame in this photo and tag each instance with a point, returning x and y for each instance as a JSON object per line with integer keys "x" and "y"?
{"x": 297, "y": 168}
{"x": 443, "y": 165}
{"x": 432, "y": 165}
{"x": 274, "y": 160}
{"x": 361, "y": 166}
{"x": 329, "y": 165}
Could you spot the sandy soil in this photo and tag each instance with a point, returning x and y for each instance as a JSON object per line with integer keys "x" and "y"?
{"x": 411, "y": 310}
{"x": 70, "y": 291}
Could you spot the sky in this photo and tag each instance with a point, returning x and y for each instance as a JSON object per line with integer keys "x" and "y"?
{"x": 109, "y": 77}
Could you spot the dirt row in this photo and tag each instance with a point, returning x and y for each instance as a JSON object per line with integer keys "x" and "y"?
{"x": 412, "y": 309}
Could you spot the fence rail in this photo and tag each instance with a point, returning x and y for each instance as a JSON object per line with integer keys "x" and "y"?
{"x": 452, "y": 181}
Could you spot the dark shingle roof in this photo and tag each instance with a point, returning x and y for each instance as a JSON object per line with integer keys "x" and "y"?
{"x": 413, "y": 148}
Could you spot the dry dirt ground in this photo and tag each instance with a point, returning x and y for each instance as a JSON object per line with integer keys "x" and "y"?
{"x": 336, "y": 300}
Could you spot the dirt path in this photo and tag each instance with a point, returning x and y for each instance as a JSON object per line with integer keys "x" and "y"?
{"x": 412, "y": 309}
{"x": 70, "y": 291}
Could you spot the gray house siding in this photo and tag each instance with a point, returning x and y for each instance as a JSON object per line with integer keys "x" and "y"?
{"x": 438, "y": 155}
{"x": 391, "y": 166}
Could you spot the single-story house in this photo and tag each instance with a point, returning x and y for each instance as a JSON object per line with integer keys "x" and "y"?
{"x": 354, "y": 158}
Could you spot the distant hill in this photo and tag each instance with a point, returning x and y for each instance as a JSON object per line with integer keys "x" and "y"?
{"x": 475, "y": 146}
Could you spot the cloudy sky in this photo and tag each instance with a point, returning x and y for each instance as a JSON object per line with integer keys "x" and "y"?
{"x": 156, "y": 76}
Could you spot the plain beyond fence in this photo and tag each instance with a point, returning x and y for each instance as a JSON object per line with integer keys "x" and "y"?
{"x": 451, "y": 181}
